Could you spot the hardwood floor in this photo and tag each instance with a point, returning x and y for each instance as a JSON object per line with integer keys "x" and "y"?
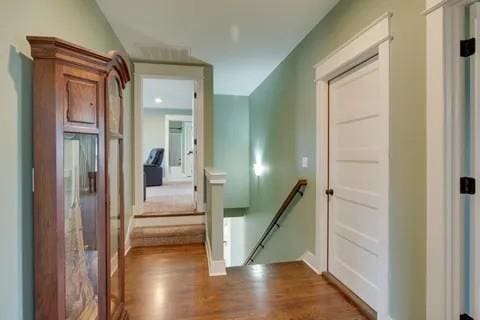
{"x": 172, "y": 282}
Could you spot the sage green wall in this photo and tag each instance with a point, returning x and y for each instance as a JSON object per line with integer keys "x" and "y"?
{"x": 77, "y": 21}
{"x": 282, "y": 130}
{"x": 208, "y": 130}
{"x": 231, "y": 147}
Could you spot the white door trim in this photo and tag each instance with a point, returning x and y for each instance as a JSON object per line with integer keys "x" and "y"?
{"x": 168, "y": 71}
{"x": 475, "y": 164}
{"x": 168, "y": 118}
{"x": 445, "y": 103}
{"x": 373, "y": 40}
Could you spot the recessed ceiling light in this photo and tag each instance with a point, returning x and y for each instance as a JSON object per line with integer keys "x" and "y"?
{"x": 158, "y": 100}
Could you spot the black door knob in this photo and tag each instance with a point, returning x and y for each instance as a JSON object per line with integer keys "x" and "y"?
{"x": 329, "y": 192}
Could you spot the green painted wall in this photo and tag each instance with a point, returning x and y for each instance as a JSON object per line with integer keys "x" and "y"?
{"x": 208, "y": 130}
{"x": 282, "y": 131}
{"x": 231, "y": 147}
{"x": 77, "y": 21}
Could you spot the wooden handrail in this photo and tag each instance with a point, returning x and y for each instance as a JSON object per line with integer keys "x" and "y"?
{"x": 297, "y": 189}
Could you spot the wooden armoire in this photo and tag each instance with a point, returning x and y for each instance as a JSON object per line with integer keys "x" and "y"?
{"x": 78, "y": 181}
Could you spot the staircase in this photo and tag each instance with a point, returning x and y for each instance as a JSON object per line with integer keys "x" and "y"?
{"x": 168, "y": 229}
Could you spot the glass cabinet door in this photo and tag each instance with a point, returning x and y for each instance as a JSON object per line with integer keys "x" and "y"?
{"x": 80, "y": 217}
{"x": 115, "y": 195}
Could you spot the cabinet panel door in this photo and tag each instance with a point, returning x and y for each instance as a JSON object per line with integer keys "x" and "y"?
{"x": 82, "y": 101}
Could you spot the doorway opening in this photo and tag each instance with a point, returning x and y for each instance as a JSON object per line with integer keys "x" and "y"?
{"x": 168, "y": 145}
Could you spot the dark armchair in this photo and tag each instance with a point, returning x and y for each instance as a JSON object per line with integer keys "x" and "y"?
{"x": 152, "y": 169}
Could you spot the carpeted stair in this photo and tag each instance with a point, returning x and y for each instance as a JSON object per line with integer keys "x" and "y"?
{"x": 167, "y": 235}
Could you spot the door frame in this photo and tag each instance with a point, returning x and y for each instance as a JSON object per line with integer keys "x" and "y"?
{"x": 371, "y": 41}
{"x": 474, "y": 21}
{"x": 178, "y": 72}
{"x": 168, "y": 118}
{"x": 445, "y": 125}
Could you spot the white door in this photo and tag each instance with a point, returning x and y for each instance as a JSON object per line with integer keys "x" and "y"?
{"x": 358, "y": 177}
{"x": 471, "y": 276}
{"x": 189, "y": 152}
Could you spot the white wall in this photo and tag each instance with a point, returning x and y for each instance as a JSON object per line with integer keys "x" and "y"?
{"x": 237, "y": 244}
{"x": 154, "y": 127}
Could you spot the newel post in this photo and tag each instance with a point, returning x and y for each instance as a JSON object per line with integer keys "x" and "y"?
{"x": 215, "y": 180}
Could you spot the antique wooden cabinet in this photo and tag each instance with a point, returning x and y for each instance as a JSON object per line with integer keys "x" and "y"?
{"x": 78, "y": 181}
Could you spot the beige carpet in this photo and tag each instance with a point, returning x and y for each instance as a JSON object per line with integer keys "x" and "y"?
{"x": 172, "y": 197}
{"x": 168, "y": 235}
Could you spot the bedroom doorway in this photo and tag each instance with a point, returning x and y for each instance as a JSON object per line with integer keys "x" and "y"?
{"x": 168, "y": 146}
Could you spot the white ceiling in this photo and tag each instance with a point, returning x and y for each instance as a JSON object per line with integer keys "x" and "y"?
{"x": 175, "y": 94}
{"x": 243, "y": 39}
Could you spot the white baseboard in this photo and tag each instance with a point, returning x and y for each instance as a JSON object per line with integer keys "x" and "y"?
{"x": 215, "y": 267}
{"x": 128, "y": 243}
{"x": 312, "y": 261}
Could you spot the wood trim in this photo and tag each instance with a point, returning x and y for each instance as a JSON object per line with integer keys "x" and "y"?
{"x": 40, "y": 42}
{"x": 364, "y": 308}
{"x": 361, "y": 47}
{"x": 170, "y": 71}
{"x": 47, "y": 210}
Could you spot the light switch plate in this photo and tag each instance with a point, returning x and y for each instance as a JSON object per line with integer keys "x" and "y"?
{"x": 305, "y": 162}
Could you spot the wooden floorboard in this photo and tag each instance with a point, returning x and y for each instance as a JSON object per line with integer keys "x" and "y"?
{"x": 172, "y": 282}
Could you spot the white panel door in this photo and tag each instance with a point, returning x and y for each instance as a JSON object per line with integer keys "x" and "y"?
{"x": 358, "y": 155}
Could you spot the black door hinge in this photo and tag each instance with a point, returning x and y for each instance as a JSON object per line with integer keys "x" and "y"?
{"x": 465, "y": 317}
{"x": 195, "y": 188}
{"x": 195, "y": 142}
{"x": 467, "y": 47}
{"x": 467, "y": 185}
{"x": 195, "y": 95}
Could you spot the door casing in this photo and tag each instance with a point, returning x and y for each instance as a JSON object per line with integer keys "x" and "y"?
{"x": 179, "y": 72}
{"x": 168, "y": 118}
{"x": 445, "y": 83}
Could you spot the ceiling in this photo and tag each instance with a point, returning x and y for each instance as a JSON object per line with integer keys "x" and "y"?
{"x": 174, "y": 94}
{"x": 243, "y": 39}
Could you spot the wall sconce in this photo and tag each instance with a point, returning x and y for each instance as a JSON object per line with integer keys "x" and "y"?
{"x": 258, "y": 169}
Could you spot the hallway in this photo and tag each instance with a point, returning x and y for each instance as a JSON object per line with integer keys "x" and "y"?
{"x": 172, "y": 282}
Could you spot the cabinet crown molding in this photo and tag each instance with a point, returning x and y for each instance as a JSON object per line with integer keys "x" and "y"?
{"x": 56, "y": 48}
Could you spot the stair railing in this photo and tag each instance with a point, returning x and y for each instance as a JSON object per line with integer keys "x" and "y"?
{"x": 298, "y": 189}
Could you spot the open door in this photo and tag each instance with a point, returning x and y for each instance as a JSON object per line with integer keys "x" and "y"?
{"x": 197, "y": 164}
{"x": 188, "y": 146}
